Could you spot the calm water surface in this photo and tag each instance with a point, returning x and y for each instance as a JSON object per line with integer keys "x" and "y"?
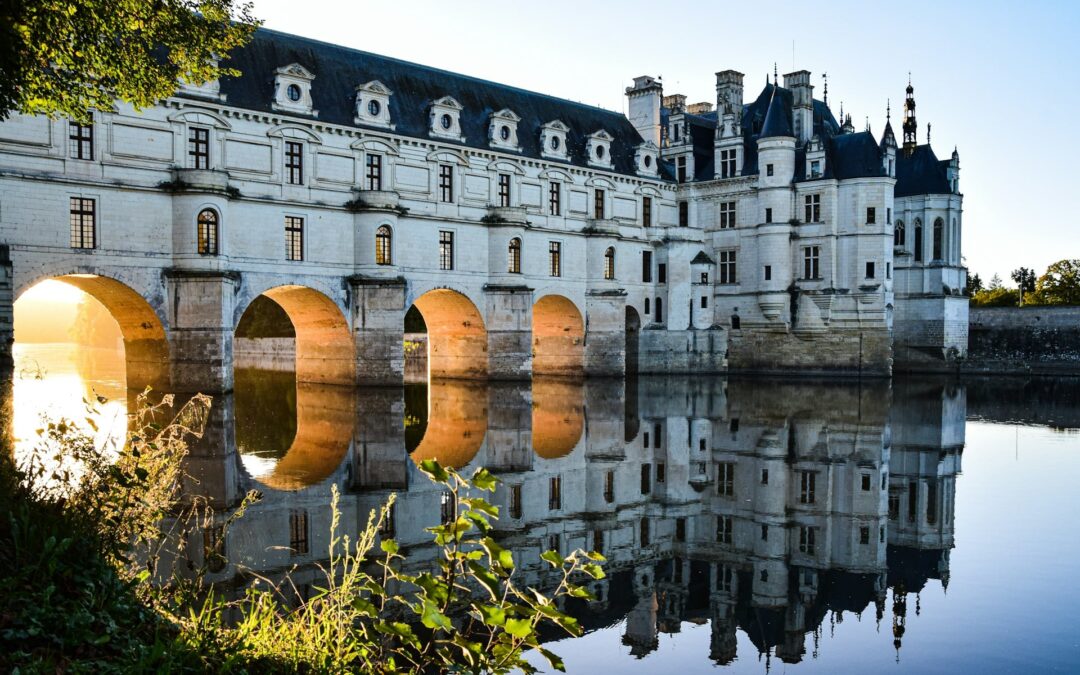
{"x": 918, "y": 526}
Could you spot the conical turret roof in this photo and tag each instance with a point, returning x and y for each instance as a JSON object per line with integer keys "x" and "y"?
{"x": 777, "y": 122}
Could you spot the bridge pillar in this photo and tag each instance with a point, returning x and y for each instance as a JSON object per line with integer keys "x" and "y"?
{"x": 378, "y": 307}
{"x": 509, "y": 430}
{"x": 379, "y": 460}
{"x": 605, "y": 333}
{"x": 508, "y": 318}
{"x": 201, "y": 318}
{"x": 212, "y": 465}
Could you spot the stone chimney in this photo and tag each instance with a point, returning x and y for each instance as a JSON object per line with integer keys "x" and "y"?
{"x": 644, "y": 112}
{"x": 729, "y": 91}
{"x": 803, "y": 105}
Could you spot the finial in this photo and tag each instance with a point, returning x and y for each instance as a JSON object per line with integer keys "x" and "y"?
{"x": 888, "y": 110}
{"x": 868, "y": 123}
{"x": 928, "y": 134}
{"x": 825, "y": 97}
{"x": 909, "y": 78}
{"x": 775, "y": 76}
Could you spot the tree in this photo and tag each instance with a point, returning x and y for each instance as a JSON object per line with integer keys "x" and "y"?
{"x": 1060, "y": 285}
{"x": 974, "y": 284}
{"x": 995, "y": 283}
{"x": 66, "y": 57}
{"x": 1025, "y": 281}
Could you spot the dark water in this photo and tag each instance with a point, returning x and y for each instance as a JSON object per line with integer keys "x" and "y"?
{"x": 913, "y": 526}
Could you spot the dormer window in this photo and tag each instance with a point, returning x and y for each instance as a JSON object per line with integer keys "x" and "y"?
{"x": 645, "y": 159}
{"x": 598, "y": 149}
{"x": 373, "y": 105}
{"x": 292, "y": 90}
{"x": 446, "y": 119}
{"x": 502, "y": 130}
{"x": 553, "y": 140}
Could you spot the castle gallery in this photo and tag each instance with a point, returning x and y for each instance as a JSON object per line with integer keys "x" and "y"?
{"x": 530, "y": 234}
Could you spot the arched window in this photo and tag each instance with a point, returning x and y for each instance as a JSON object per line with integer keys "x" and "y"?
{"x": 898, "y": 234}
{"x": 384, "y": 246}
{"x": 918, "y": 240}
{"x": 609, "y": 263}
{"x": 514, "y": 256}
{"x": 736, "y": 322}
{"x": 659, "y": 310}
{"x": 939, "y": 238}
{"x": 208, "y": 232}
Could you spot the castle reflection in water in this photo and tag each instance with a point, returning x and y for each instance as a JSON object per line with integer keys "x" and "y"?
{"x": 766, "y": 507}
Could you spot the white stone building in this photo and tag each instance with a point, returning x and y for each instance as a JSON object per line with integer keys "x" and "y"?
{"x": 533, "y": 234}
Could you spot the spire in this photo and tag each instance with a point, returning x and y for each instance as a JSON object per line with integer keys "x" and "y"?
{"x": 775, "y": 75}
{"x": 888, "y": 138}
{"x": 910, "y": 126}
{"x": 928, "y": 133}
{"x": 825, "y": 95}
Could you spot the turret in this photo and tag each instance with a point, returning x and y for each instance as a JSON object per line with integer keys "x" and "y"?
{"x": 644, "y": 112}
{"x": 953, "y": 172}
{"x": 888, "y": 145}
{"x": 910, "y": 126}
{"x": 803, "y": 105}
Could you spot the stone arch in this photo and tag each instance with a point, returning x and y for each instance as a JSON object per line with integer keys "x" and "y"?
{"x": 323, "y": 344}
{"x": 457, "y": 421}
{"x": 457, "y": 334}
{"x": 146, "y": 345}
{"x": 558, "y": 337}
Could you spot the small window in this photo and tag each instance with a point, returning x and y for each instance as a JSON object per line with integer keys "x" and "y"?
{"x": 374, "y": 108}
{"x": 446, "y": 250}
{"x": 447, "y": 507}
{"x": 704, "y": 277}
{"x": 898, "y": 234}
{"x": 871, "y": 215}
{"x": 807, "y": 543}
{"x": 866, "y": 482}
{"x": 764, "y": 476}
{"x": 446, "y": 121}
{"x": 609, "y": 487}
{"x": 647, "y": 161}
{"x": 768, "y": 169}
{"x": 768, "y": 273}
{"x": 680, "y": 165}
{"x": 384, "y": 246}
{"x": 83, "y": 220}
{"x": 298, "y": 532}
{"x": 555, "y": 143}
{"x": 294, "y": 162}
{"x": 727, "y": 215}
{"x": 646, "y": 211}
{"x": 659, "y": 310}
{"x": 727, "y": 163}
{"x": 813, "y": 209}
{"x": 815, "y": 169}
{"x": 939, "y": 239}
{"x": 555, "y": 259}
{"x": 725, "y": 479}
{"x": 609, "y": 263}
{"x": 647, "y": 305}
{"x": 515, "y": 501}
{"x": 446, "y": 183}
{"x": 661, "y": 273}
{"x": 661, "y": 472}
{"x": 680, "y": 534}
{"x": 644, "y": 528}
{"x": 599, "y": 152}
{"x": 684, "y": 214}
{"x": 888, "y": 270}
{"x": 504, "y": 132}
{"x": 646, "y": 271}
{"x": 207, "y": 232}
{"x": 388, "y": 528}
{"x": 373, "y": 172}
{"x": 864, "y": 535}
{"x": 768, "y": 215}
{"x": 812, "y": 262}
{"x": 598, "y": 204}
{"x": 198, "y": 148}
{"x": 724, "y": 527}
{"x": 736, "y": 324}
{"x": 807, "y": 488}
{"x": 294, "y": 238}
{"x": 555, "y": 493}
{"x": 293, "y": 92}
{"x": 555, "y": 199}
{"x": 704, "y": 302}
{"x": 918, "y": 241}
{"x": 80, "y": 141}
{"x": 727, "y": 267}
{"x": 870, "y": 271}
{"x": 764, "y": 533}
{"x": 504, "y": 189}
{"x": 514, "y": 255}
{"x": 656, "y": 435}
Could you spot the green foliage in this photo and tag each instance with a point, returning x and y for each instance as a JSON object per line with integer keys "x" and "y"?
{"x": 1060, "y": 285}
{"x": 974, "y": 285}
{"x": 66, "y": 57}
{"x": 996, "y": 297}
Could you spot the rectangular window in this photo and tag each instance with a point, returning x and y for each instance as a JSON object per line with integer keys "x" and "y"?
{"x": 80, "y": 141}
{"x": 815, "y": 169}
{"x": 888, "y": 216}
{"x": 725, "y": 479}
{"x": 447, "y": 507}
{"x": 609, "y": 487}
{"x": 514, "y": 256}
{"x": 446, "y": 183}
{"x": 704, "y": 277}
{"x": 727, "y": 163}
{"x": 768, "y": 273}
{"x": 807, "y": 487}
{"x": 504, "y": 189}
{"x": 644, "y": 527}
{"x": 646, "y": 211}
{"x": 684, "y": 214}
{"x": 598, "y": 541}
{"x": 373, "y": 172}
{"x": 768, "y": 215}
{"x": 724, "y": 577}
{"x": 656, "y": 432}
{"x": 598, "y": 204}
{"x": 555, "y": 493}
{"x": 704, "y": 302}
{"x": 768, "y": 169}
{"x": 646, "y": 479}
{"x": 931, "y": 504}
{"x": 813, "y": 208}
{"x": 646, "y": 268}
{"x": 680, "y": 531}
{"x": 83, "y": 219}
{"x": 871, "y": 215}
{"x": 661, "y": 472}
{"x": 555, "y": 199}
{"x": 870, "y": 271}
{"x": 515, "y": 501}
{"x": 764, "y": 476}
{"x": 661, "y": 273}
{"x": 888, "y": 270}
{"x": 555, "y": 259}
{"x": 388, "y": 528}
{"x": 298, "y": 532}
{"x": 764, "y": 533}
{"x": 294, "y": 238}
{"x": 866, "y": 482}
{"x": 294, "y": 162}
{"x": 680, "y": 165}
{"x": 723, "y": 529}
{"x": 446, "y": 250}
{"x": 807, "y": 537}
{"x": 198, "y": 148}
{"x": 727, "y": 215}
{"x": 646, "y": 311}
{"x": 864, "y": 535}
{"x": 727, "y": 267}
{"x": 812, "y": 262}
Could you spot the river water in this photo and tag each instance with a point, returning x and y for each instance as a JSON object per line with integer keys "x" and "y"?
{"x": 922, "y": 525}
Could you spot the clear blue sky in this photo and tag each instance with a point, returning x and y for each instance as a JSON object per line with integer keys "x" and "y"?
{"x": 996, "y": 79}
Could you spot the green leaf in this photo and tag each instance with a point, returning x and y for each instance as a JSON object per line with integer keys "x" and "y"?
{"x": 506, "y": 559}
{"x": 485, "y": 577}
{"x": 365, "y": 607}
{"x": 552, "y": 658}
{"x": 389, "y": 546}
{"x": 553, "y": 557}
{"x": 593, "y": 570}
{"x": 482, "y": 505}
{"x": 431, "y": 617}
{"x": 484, "y": 480}
{"x": 581, "y": 592}
{"x": 492, "y": 615}
{"x": 593, "y": 555}
{"x": 519, "y": 628}
{"x": 435, "y": 471}
{"x": 480, "y": 521}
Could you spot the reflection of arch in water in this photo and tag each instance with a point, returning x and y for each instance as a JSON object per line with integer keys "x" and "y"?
{"x": 146, "y": 348}
{"x": 456, "y": 424}
{"x": 558, "y": 337}
{"x": 558, "y": 416}
{"x": 292, "y": 434}
{"x": 457, "y": 337}
{"x": 324, "y": 346}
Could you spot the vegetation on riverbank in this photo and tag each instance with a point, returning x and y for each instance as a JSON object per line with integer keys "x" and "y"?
{"x": 88, "y": 586}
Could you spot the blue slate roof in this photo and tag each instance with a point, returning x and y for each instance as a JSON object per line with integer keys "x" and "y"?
{"x": 777, "y": 119}
{"x": 339, "y": 70}
{"x": 921, "y": 173}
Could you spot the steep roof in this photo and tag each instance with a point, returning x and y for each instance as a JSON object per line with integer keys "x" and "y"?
{"x": 777, "y": 118}
{"x": 921, "y": 173}
{"x": 339, "y": 70}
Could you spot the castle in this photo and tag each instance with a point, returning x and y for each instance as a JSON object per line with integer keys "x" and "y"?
{"x": 532, "y": 235}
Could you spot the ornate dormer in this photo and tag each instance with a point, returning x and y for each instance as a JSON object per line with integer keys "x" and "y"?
{"x": 446, "y": 119}
{"x": 646, "y": 157}
{"x": 502, "y": 130}
{"x": 553, "y": 140}
{"x": 373, "y": 105}
{"x": 815, "y": 158}
{"x": 292, "y": 90}
{"x": 598, "y": 149}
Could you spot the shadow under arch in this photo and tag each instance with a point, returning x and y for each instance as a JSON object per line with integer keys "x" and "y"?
{"x": 558, "y": 416}
{"x": 299, "y": 432}
{"x": 456, "y": 333}
{"x": 146, "y": 346}
{"x": 324, "y": 351}
{"x": 558, "y": 337}
{"x": 457, "y": 420}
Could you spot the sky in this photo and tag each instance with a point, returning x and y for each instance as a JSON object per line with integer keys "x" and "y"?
{"x": 994, "y": 79}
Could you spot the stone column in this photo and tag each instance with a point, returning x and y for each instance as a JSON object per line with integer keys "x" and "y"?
{"x": 509, "y": 426}
{"x": 7, "y": 313}
{"x": 201, "y": 318}
{"x": 378, "y": 307}
{"x": 508, "y": 319}
{"x": 605, "y": 333}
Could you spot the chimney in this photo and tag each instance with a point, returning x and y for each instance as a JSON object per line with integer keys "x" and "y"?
{"x": 644, "y": 113}
{"x": 729, "y": 91}
{"x": 803, "y": 105}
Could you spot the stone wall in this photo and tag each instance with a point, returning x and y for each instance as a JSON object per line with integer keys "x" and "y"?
{"x": 682, "y": 351}
{"x": 1036, "y": 340}
{"x": 867, "y": 352}
{"x": 268, "y": 353}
